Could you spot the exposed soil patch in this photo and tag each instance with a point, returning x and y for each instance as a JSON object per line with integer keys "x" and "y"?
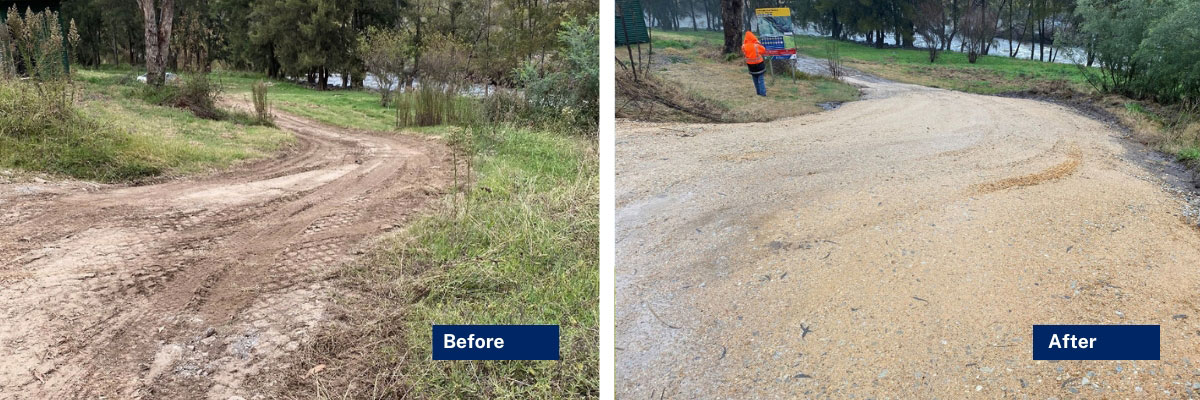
{"x": 185, "y": 288}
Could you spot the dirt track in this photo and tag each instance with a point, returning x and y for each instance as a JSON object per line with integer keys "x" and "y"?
{"x": 901, "y": 246}
{"x": 185, "y": 289}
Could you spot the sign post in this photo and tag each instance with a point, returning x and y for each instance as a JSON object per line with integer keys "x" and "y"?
{"x": 773, "y": 24}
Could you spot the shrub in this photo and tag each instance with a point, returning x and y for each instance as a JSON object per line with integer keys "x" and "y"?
{"x": 33, "y": 44}
{"x": 568, "y": 90}
{"x": 1144, "y": 49}
{"x": 504, "y": 106}
{"x": 385, "y": 52}
{"x": 834, "y": 60}
{"x": 199, "y": 95}
{"x": 262, "y": 108}
{"x": 433, "y": 105}
{"x": 40, "y": 130}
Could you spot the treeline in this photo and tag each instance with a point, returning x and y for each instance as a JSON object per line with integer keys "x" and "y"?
{"x": 941, "y": 24}
{"x": 1144, "y": 49}
{"x": 313, "y": 39}
{"x": 1141, "y": 48}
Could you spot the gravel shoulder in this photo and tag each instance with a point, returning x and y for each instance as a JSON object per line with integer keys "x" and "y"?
{"x": 898, "y": 246}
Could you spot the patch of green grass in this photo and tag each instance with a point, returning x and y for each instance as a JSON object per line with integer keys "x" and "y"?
{"x": 115, "y": 138}
{"x": 834, "y": 91}
{"x": 360, "y": 109}
{"x": 40, "y": 130}
{"x": 673, "y": 44}
{"x": 1139, "y": 109}
{"x": 521, "y": 247}
{"x": 1190, "y": 155}
{"x": 990, "y": 74}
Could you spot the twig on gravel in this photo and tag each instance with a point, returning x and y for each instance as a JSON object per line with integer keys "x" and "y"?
{"x": 658, "y": 317}
{"x": 918, "y": 298}
{"x": 723, "y": 351}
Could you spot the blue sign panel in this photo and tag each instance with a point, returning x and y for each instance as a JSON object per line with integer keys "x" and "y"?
{"x": 495, "y": 342}
{"x": 1096, "y": 342}
{"x": 774, "y": 43}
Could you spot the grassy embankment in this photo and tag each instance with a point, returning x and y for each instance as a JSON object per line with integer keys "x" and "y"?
{"x": 693, "y": 72}
{"x": 519, "y": 245}
{"x": 111, "y": 135}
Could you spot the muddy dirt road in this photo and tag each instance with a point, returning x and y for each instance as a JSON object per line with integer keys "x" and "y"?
{"x": 185, "y": 289}
{"x": 901, "y": 246}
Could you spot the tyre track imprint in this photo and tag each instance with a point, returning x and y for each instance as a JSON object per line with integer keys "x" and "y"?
{"x": 185, "y": 289}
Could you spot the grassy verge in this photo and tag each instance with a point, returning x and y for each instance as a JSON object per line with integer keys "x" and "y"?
{"x": 519, "y": 248}
{"x": 1171, "y": 129}
{"x": 111, "y": 137}
{"x": 692, "y": 71}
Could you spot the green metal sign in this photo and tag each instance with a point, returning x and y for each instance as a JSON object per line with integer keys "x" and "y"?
{"x": 631, "y": 25}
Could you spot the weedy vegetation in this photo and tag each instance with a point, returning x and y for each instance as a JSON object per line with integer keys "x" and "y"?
{"x": 514, "y": 241}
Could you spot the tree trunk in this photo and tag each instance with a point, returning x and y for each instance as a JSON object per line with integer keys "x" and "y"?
{"x": 731, "y": 13}
{"x": 1010, "y": 27}
{"x": 159, "y": 16}
{"x": 953, "y": 23}
{"x": 1042, "y": 40}
{"x": 707, "y": 15}
{"x": 837, "y": 26}
{"x": 132, "y": 47}
{"x": 695, "y": 24}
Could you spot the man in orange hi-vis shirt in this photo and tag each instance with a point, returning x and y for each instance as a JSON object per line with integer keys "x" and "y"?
{"x": 753, "y": 50}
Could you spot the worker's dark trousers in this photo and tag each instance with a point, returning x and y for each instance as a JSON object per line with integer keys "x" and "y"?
{"x": 760, "y": 85}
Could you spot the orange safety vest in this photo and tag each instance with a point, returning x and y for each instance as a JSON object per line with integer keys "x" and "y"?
{"x": 752, "y": 49}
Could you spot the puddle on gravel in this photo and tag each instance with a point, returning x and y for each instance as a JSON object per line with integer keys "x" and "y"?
{"x": 829, "y": 105}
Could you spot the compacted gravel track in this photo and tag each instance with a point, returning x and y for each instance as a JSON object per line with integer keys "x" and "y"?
{"x": 900, "y": 246}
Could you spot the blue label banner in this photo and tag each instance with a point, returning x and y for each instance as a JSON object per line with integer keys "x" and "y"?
{"x": 495, "y": 342}
{"x": 1096, "y": 342}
